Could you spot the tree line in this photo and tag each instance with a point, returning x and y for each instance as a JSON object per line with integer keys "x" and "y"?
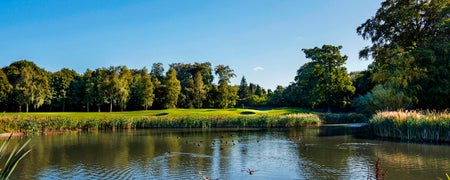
{"x": 411, "y": 70}
{"x": 24, "y": 85}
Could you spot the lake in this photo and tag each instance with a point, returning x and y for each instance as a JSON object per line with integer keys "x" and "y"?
{"x": 327, "y": 152}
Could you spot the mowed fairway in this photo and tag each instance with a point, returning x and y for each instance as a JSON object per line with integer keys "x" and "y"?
{"x": 172, "y": 113}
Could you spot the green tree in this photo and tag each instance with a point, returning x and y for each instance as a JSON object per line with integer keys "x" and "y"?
{"x": 142, "y": 89}
{"x": 157, "y": 71}
{"x": 205, "y": 70}
{"x": 226, "y": 96}
{"x": 410, "y": 42}
{"x": 198, "y": 90}
{"x": 334, "y": 82}
{"x": 306, "y": 92}
{"x": 362, "y": 80}
{"x": 5, "y": 87}
{"x": 125, "y": 79}
{"x": 60, "y": 83}
{"x": 173, "y": 88}
{"x": 115, "y": 86}
{"x": 185, "y": 76}
{"x": 146, "y": 89}
{"x": 243, "y": 91}
{"x": 276, "y": 98}
{"x": 259, "y": 91}
{"x": 30, "y": 84}
{"x": 157, "y": 76}
{"x": 76, "y": 93}
{"x": 212, "y": 96}
{"x": 91, "y": 89}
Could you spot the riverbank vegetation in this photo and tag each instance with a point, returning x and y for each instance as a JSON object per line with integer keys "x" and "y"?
{"x": 412, "y": 126}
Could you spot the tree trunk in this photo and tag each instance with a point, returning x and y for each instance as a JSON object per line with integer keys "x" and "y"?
{"x": 87, "y": 107}
{"x": 27, "y": 107}
{"x": 98, "y": 108}
{"x": 20, "y": 108}
{"x": 110, "y": 107}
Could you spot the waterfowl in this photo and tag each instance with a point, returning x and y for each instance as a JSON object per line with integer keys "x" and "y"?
{"x": 249, "y": 171}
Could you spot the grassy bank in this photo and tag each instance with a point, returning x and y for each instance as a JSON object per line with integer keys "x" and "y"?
{"x": 412, "y": 126}
{"x": 173, "y": 118}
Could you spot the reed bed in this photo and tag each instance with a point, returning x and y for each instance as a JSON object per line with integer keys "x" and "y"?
{"x": 34, "y": 125}
{"x": 412, "y": 125}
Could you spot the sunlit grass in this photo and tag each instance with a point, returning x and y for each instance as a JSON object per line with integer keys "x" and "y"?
{"x": 168, "y": 112}
{"x": 171, "y": 118}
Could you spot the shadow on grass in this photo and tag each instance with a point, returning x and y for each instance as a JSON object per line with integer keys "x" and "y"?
{"x": 162, "y": 114}
{"x": 247, "y": 113}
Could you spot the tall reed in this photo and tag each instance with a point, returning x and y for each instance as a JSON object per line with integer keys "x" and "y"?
{"x": 17, "y": 153}
{"x": 412, "y": 125}
{"x": 33, "y": 125}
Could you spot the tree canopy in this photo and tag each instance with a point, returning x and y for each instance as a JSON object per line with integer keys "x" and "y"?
{"x": 410, "y": 48}
{"x": 332, "y": 81}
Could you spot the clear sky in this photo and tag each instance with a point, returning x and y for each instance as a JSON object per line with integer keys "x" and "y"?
{"x": 259, "y": 39}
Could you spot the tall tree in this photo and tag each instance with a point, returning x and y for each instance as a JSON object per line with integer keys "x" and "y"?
{"x": 157, "y": 76}
{"x": 173, "y": 88}
{"x": 125, "y": 79}
{"x": 243, "y": 91}
{"x": 205, "y": 70}
{"x": 306, "y": 91}
{"x": 142, "y": 89}
{"x": 410, "y": 42}
{"x": 226, "y": 96}
{"x": 30, "y": 84}
{"x": 157, "y": 71}
{"x": 91, "y": 89}
{"x": 198, "y": 90}
{"x": 185, "y": 76}
{"x": 5, "y": 87}
{"x": 276, "y": 97}
{"x": 115, "y": 86}
{"x": 212, "y": 96}
{"x": 259, "y": 91}
{"x": 76, "y": 93}
{"x": 334, "y": 83}
{"x": 252, "y": 88}
{"x": 60, "y": 82}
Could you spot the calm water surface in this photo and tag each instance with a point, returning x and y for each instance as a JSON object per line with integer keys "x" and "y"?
{"x": 330, "y": 152}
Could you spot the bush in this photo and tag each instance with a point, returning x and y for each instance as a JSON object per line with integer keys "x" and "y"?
{"x": 381, "y": 99}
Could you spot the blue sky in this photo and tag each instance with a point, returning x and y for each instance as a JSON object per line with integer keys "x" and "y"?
{"x": 259, "y": 39}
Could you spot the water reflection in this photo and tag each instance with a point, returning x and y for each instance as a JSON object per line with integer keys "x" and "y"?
{"x": 307, "y": 153}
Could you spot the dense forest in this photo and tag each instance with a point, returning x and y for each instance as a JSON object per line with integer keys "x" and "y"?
{"x": 410, "y": 70}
